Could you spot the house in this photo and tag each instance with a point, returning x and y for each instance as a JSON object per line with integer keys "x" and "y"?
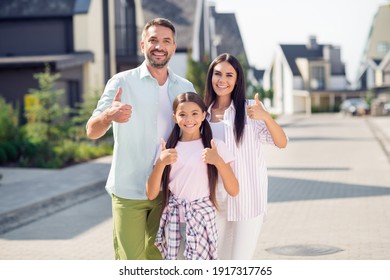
{"x": 73, "y": 37}
{"x": 255, "y": 77}
{"x": 186, "y": 15}
{"x": 376, "y": 48}
{"x": 226, "y": 36}
{"x": 384, "y": 70}
{"x": 307, "y": 77}
{"x": 87, "y": 42}
{"x": 201, "y": 31}
{"x": 373, "y": 72}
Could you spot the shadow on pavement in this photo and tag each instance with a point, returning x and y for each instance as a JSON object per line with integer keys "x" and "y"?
{"x": 65, "y": 224}
{"x": 291, "y": 189}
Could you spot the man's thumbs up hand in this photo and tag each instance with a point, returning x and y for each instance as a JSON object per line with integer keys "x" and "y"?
{"x": 118, "y": 112}
{"x": 118, "y": 95}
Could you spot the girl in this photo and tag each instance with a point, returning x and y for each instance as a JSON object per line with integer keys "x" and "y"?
{"x": 187, "y": 168}
{"x": 244, "y": 126}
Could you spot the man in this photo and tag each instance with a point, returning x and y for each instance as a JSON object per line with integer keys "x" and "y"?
{"x": 138, "y": 104}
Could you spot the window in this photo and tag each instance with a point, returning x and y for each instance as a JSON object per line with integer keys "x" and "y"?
{"x": 383, "y": 47}
{"x": 125, "y": 28}
{"x": 317, "y": 80}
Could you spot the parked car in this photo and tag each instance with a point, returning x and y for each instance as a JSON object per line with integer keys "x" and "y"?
{"x": 386, "y": 108}
{"x": 355, "y": 107}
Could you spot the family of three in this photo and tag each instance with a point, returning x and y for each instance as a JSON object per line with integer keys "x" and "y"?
{"x": 188, "y": 178}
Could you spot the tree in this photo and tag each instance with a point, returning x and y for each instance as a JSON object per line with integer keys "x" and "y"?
{"x": 197, "y": 73}
{"x": 46, "y": 116}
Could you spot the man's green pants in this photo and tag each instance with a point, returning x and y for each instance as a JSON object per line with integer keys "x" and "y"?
{"x": 135, "y": 227}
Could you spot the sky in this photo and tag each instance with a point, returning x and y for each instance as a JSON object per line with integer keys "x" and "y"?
{"x": 266, "y": 23}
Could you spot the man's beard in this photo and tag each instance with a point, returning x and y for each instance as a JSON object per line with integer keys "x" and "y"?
{"x": 155, "y": 64}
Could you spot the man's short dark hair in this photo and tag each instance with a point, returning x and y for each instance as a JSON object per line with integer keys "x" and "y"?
{"x": 159, "y": 21}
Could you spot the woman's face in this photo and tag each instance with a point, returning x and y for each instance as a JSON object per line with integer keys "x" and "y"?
{"x": 224, "y": 79}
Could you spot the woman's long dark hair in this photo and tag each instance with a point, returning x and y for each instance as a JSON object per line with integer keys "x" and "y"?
{"x": 174, "y": 137}
{"x": 238, "y": 94}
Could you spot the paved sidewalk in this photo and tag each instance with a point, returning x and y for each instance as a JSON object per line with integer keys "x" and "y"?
{"x": 329, "y": 198}
{"x": 329, "y": 192}
{"x": 27, "y": 194}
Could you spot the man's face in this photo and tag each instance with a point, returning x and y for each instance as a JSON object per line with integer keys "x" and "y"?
{"x": 158, "y": 46}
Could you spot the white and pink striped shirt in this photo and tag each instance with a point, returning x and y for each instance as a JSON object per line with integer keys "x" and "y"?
{"x": 249, "y": 166}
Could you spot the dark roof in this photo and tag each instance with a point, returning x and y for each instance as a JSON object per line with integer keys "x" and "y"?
{"x": 258, "y": 73}
{"x": 58, "y": 62}
{"x": 292, "y": 52}
{"x": 180, "y": 12}
{"x": 227, "y": 27}
{"x": 377, "y": 61}
{"x": 42, "y": 8}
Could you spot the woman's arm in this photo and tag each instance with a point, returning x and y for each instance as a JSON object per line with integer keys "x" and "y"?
{"x": 257, "y": 112}
{"x": 277, "y": 133}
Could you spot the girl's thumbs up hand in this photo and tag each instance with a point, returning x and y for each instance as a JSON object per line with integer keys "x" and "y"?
{"x": 167, "y": 156}
{"x": 210, "y": 155}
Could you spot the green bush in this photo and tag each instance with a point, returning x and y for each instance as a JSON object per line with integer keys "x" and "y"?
{"x": 10, "y": 150}
{"x": 51, "y": 138}
{"x": 3, "y": 156}
{"x": 8, "y": 121}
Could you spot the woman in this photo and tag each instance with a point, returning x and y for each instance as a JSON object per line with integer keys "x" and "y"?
{"x": 244, "y": 125}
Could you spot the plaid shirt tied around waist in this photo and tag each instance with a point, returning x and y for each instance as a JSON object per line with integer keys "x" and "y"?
{"x": 201, "y": 230}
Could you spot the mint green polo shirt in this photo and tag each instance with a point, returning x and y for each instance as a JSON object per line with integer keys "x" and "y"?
{"x": 135, "y": 142}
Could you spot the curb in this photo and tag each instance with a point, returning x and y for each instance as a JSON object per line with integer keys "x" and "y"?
{"x": 25, "y": 215}
{"x": 380, "y": 136}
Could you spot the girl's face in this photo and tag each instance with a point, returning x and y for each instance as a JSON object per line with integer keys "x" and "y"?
{"x": 224, "y": 79}
{"x": 189, "y": 118}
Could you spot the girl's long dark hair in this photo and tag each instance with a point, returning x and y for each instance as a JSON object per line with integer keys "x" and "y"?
{"x": 174, "y": 137}
{"x": 238, "y": 94}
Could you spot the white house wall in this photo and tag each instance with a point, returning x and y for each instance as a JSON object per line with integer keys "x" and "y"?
{"x": 282, "y": 83}
{"x": 178, "y": 64}
{"x": 337, "y": 83}
{"x": 288, "y": 91}
{"x": 89, "y": 38}
{"x": 370, "y": 78}
{"x": 298, "y": 83}
{"x": 277, "y": 84}
{"x": 299, "y": 104}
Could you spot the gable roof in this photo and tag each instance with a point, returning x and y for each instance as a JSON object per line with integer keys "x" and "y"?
{"x": 180, "y": 12}
{"x": 258, "y": 73}
{"x": 10, "y": 9}
{"x": 292, "y": 52}
{"x": 227, "y": 28}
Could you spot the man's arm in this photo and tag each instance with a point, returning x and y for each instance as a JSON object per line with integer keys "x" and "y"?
{"x": 118, "y": 112}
